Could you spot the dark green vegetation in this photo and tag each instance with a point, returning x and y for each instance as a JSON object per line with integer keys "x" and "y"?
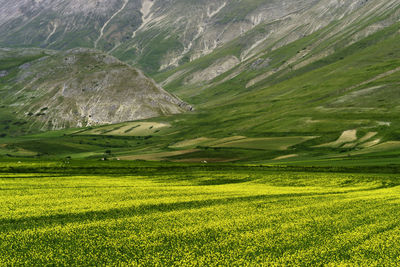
{"x": 91, "y": 213}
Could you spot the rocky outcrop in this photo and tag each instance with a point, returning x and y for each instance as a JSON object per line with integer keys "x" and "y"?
{"x": 83, "y": 87}
{"x": 217, "y": 68}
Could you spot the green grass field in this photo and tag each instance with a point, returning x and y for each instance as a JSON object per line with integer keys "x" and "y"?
{"x": 138, "y": 213}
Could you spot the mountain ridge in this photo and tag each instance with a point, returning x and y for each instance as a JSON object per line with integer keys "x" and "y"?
{"x": 157, "y": 35}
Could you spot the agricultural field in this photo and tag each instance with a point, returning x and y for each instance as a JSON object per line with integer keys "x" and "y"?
{"x": 79, "y": 212}
{"x": 128, "y": 129}
{"x": 277, "y": 143}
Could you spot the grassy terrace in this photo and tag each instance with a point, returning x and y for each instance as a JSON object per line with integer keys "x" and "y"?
{"x": 95, "y": 213}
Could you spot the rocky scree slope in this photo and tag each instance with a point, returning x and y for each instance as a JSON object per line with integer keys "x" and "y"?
{"x": 158, "y": 35}
{"x": 77, "y": 88}
{"x": 286, "y": 44}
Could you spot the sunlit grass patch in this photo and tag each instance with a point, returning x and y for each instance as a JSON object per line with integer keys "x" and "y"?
{"x": 128, "y": 129}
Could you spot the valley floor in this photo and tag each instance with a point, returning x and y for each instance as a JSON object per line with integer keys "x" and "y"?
{"x": 138, "y": 213}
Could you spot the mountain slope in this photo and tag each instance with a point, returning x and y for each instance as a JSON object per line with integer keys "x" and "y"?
{"x": 159, "y": 35}
{"x": 349, "y": 102}
{"x": 317, "y": 80}
{"x": 60, "y": 24}
{"x": 344, "y": 108}
{"x": 270, "y": 50}
{"x": 78, "y": 88}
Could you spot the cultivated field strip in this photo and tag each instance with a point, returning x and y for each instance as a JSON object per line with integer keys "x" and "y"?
{"x": 223, "y": 217}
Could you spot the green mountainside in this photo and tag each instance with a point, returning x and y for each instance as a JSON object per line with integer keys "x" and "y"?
{"x": 319, "y": 83}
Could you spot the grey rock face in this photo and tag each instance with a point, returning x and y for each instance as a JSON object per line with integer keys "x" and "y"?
{"x": 3, "y": 73}
{"x": 260, "y": 63}
{"x": 61, "y": 23}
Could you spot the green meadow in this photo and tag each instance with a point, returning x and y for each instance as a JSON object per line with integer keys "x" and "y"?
{"x": 66, "y": 212}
